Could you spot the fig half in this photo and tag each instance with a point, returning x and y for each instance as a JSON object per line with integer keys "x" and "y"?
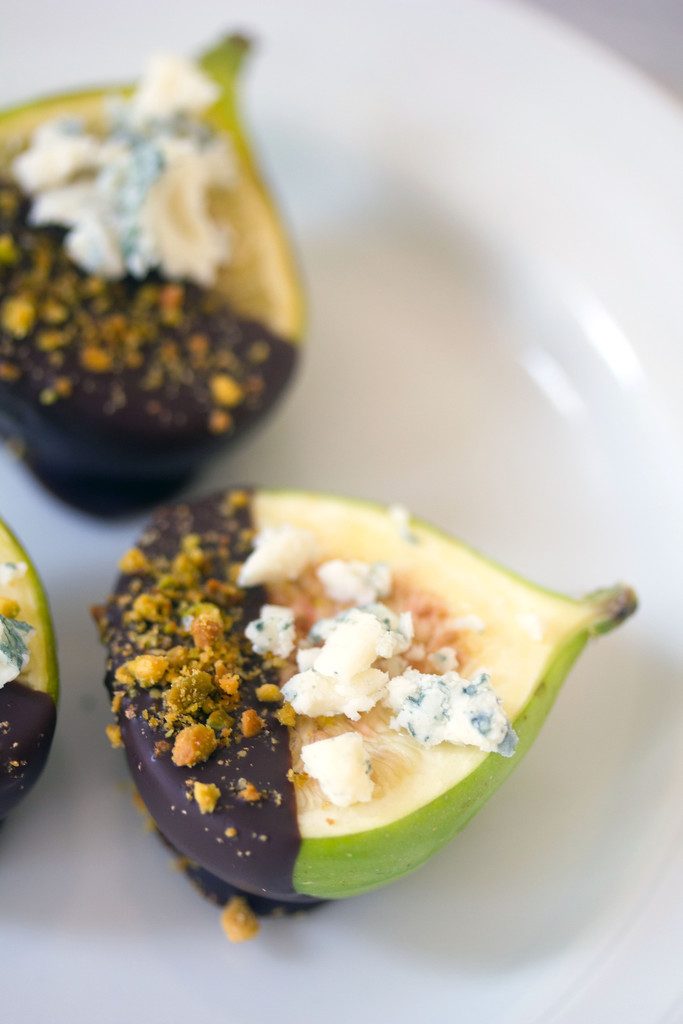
{"x": 28, "y": 670}
{"x": 201, "y": 659}
{"x": 118, "y": 390}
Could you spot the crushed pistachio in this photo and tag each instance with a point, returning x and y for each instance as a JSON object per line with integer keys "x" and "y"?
{"x": 239, "y": 921}
{"x": 62, "y": 387}
{"x": 229, "y": 684}
{"x": 151, "y": 607}
{"x": 298, "y": 779}
{"x": 18, "y": 315}
{"x": 147, "y": 669}
{"x": 219, "y": 421}
{"x": 206, "y": 796}
{"x": 171, "y": 334}
{"x": 96, "y": 360}
{"x": 114, "y": 735}
{"x": 9, "y": 253}
{"x": 269, "y": 693}
{"x": 193, "y": 745}
{"x": 248, "y": 792}
{"x": 206, "y": 629}
{"x": 134, "y": 563}
{"x": 176, "y": 636}
{"x": 51, "y": 341}
{"x": 9, "y": 372}
{"x": 251, "y": 723}
{"x": 286, "y": 715}
{"x": 220, "y": 721}
{"x": 188, "y": 694}
{"x": 258, "y": 352}
{"x": 225, "y": 390}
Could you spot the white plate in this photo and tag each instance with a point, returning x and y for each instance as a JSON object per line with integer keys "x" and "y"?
{"x": 490, "y": 214}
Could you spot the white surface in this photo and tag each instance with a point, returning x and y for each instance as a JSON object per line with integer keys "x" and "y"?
{"x": 490, "y": 216}
{"x": 647, "y": 32}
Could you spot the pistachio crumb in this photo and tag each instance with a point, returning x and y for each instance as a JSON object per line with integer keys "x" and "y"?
{"x": 9, "y": 371}
{"x": 9, "y": 253}
{"x": 193, "y": 744}
{"x": 96, "y": 360}
{"x": 206, "y": 795}
{"x": 249, "y": 792}
{"x": 151, "y": 607}
{"x": 229, "y": 684}
{"x": 134, "y": 563}
{"x": 286, "y": 715}
{"x": 219, "y": 421}
{"x": 298, "y": 779}
{"x": 122, "y": 675}
{"x": 269, "y": 693}
{"x": 114, "y": 735}
{"x": 238, "y": 920}
{"x": 225, "y": 390}
{"x": 147, "y": 669}
{"x": 63, "y": 387}
{"x": 258, "y": 352}
{"x": 18, "y": 315}
{"x": 205, "y": 630}
{"x": 251, "y": 723}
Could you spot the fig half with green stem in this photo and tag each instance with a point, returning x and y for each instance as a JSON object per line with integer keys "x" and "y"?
{"x": 220, "y": 612}
{"x": 118, "y": 388}
{"x": 29, "y": 684}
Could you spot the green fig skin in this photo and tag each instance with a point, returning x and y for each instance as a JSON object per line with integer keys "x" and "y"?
{"x": 28, "y": 706}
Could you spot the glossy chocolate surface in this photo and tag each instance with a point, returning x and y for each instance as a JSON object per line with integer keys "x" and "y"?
{"x": 220, "y": 892}
{"x": 115, "y": 381}
{"x": 27, "y": 724}
{"x": 259, "y": 859}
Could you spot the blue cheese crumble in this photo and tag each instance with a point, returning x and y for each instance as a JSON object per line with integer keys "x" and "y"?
{"x": 449, "y": 709}
{"x": 355, "y": 582}
{"x": 14, "y": 652}
{"x": 305, "y": 657}
{"x": 341, "y": 767}
{"x": 135, "y": 198}
{"x": 361, "y": 635}
{"x": 399, "y": 630}
{"x": 273, "y": 632}
{"x": 340, "y": 678}
{"x": 400, "y": 517}
{"x": 444, "y": 660}
{"x": 280, "y": 553}
{"x": 12, "y": 571}
{"x": 313, "y": 694}
{"x": 395, "y": 637}
{"x": 351, "y": 646}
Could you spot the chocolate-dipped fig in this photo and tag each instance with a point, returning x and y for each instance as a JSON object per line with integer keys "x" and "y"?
{"x": 150, "y": 309}
{"x": 314, "y": 694}
{"x": 28, "y": 674}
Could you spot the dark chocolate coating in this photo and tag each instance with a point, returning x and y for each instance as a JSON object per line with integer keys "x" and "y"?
{"x": 107, "y": 498}
{"x": 120, "y": 435}
{"x": 27, "y": 724}
{"x": 260, "y": 858}
{"x": 220, "y": 892}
